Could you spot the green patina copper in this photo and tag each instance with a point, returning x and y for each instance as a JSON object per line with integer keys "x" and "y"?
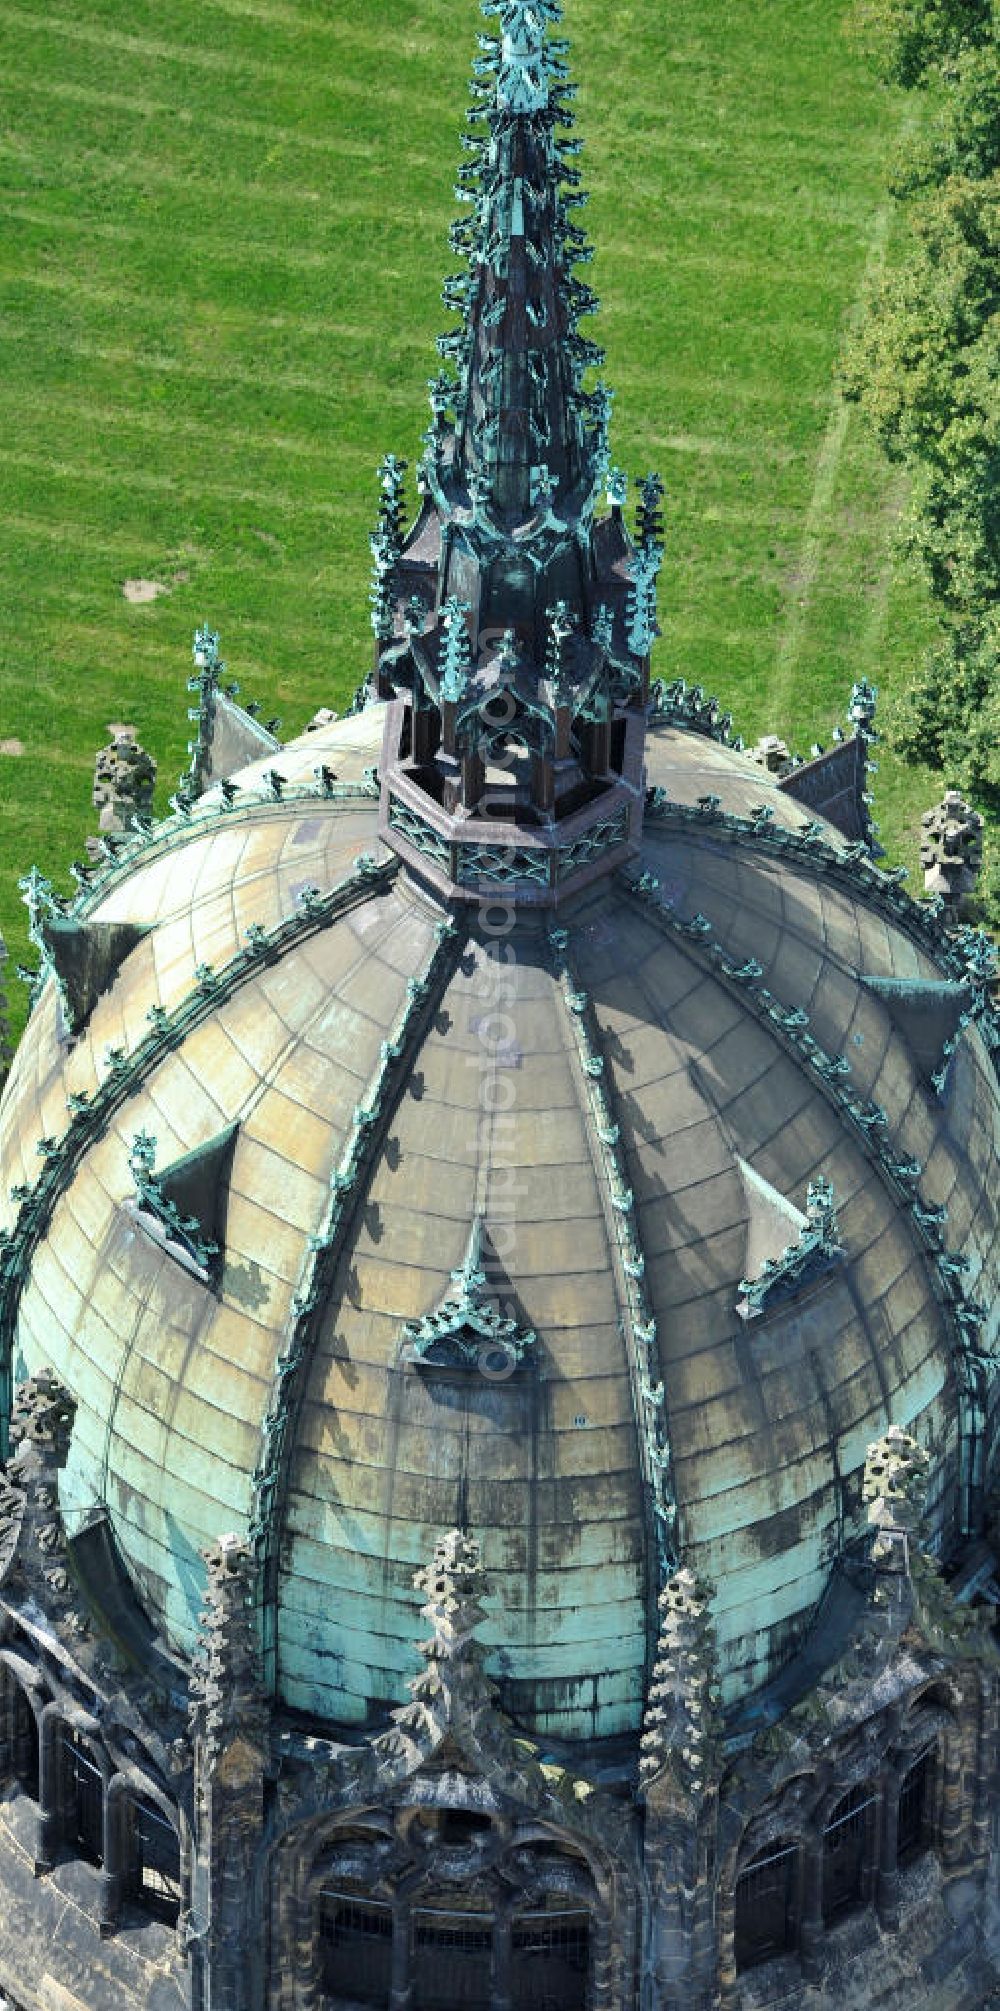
{"x": 467, "y": 1329}
{"x": 816, "y": 1247}
{"x": 319, "y": 1382}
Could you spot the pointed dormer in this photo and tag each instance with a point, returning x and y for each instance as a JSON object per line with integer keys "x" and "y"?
{"x": 513, "y": 623}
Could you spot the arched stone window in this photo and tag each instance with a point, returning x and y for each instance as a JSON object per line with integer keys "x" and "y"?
{"x": 847, "y": 1852}
{"x": 768, "y": 1903}
{"x": 526, "y": 1927}
{"x": 914, "y": 1833}
{"x": 355, "y": 1933}
{"x": 550, "y": 1959}
{"x": 451, "y": 1954}
{"x": 82, "y": 1796}
{"x": 153, "y": 1857}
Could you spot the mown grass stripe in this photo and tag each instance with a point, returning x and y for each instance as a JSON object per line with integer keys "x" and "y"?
{"x": 174, "y": 309}
{"x": 194, "y": 56}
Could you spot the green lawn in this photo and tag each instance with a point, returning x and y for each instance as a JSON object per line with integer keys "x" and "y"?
{"x": 223, "y": 232}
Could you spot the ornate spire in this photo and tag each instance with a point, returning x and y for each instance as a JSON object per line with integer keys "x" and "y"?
{"x": 227, "y": 1703}
{"x": 520, "y": 691}
{"x": 682, "y": 1727}
{"x": 452, "y": 1696}
{"x": 521, "y": 359}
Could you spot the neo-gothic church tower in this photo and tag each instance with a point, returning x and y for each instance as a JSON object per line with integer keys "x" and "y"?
{"x": 499, "y": 1259}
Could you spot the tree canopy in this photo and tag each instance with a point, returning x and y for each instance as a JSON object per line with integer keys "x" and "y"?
{"x": 909, "y": 39}
{"x": 925, "y": 367}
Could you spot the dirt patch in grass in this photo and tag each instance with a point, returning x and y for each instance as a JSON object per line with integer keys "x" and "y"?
{"x": 138, "y": 592}
{"x": 11, "y": 746}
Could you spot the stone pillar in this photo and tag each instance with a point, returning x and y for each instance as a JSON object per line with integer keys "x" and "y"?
{"x": 812, "y": 1929}
{"x": 400, "y": 1993}
{"x": 887, "y": 1887}
{"x": 705, "y": 1928}
{"x": 230, "y": 1725}
{"x": 873, "y": 1837}
{"x": 986, "y": 1760}
{"x": 8, "y": 1753}
{"x": 726, "y": 1905}
{"x": 599, "y": 1995}
{"x": 500, "y": 1969}
{"x": 473, "y": 780}
{"x": 115, "y": 1851}
{"x": 952, "y": 1805}
{"x": 51, "y": 1789}
{"x": 543, "y": 781}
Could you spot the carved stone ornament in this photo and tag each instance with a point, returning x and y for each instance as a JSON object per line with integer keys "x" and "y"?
{"x": 34, "y": 1552}
{"x": 467, "y": 1330}
{"x": 228, "y": 1711}
{"x": 951, "y": 850}
{"x": 682, "y": 1725}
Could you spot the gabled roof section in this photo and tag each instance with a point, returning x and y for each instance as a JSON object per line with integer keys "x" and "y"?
{"x": 86, "y": 958}
{"x": 835, "y": 781}
{"x": 229, "y": 736}
{"x": 83, "y": 957}
{"x": 801, "y": 1258}
{"x": 774, "y": 1220}
{"x": 466, "y": 1330}
{"x": 184, "y": 1204}
{"x": 930, "y": 1014}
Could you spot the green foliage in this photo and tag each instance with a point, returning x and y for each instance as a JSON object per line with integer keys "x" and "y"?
{"x": 951, "y": 715}
{"x": 924, "y": 367}
{"x": 910, "y": 39}
{"x": 962, "y": 135}
{"x": 920, "y": 364}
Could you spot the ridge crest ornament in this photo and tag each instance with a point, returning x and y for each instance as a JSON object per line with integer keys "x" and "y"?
{"x": 466, "y": 1331}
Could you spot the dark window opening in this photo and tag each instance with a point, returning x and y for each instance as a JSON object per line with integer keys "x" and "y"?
{"x": 430, "y": 780}
{"x": 452, "y": 1961}
{"x": 616, "y": 756}
{"x": 550, "y": 1962}
{"x": 356, "y": 1946}
{"x": 155, "y": 1864}
{"x": 25, "y": 1731}
{"x": 914, "y": 1809}
{"x": 845, "y": 1849}
{"x": 767, "y": 1891}
{"x": 462, "y": 1826}
{"x": 84, "y": 1800}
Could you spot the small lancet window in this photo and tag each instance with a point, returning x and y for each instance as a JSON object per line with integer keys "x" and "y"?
{"x": 155, "y": 1862}
{"x": 550, "y": 1961}
{"x": 356, "y": 1943}
{"x": 915, "y": 1789}
{"x": 845, "y": 1852}
{"x": 767, "y": 1904}
{"x": 83, "y": 1799}
{"x": 452, "y": 1960}
{"x": 24, "y": 1730}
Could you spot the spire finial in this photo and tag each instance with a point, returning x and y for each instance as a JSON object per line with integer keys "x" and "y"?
{"x": 499, "y": 714}
{"x": 523, "y": 80}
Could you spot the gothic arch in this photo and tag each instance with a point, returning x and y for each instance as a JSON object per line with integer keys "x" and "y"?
{"x": 128, "y": 1793}
{"x": 21, "y": 1690}
{"x": 414, "y": 1910}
